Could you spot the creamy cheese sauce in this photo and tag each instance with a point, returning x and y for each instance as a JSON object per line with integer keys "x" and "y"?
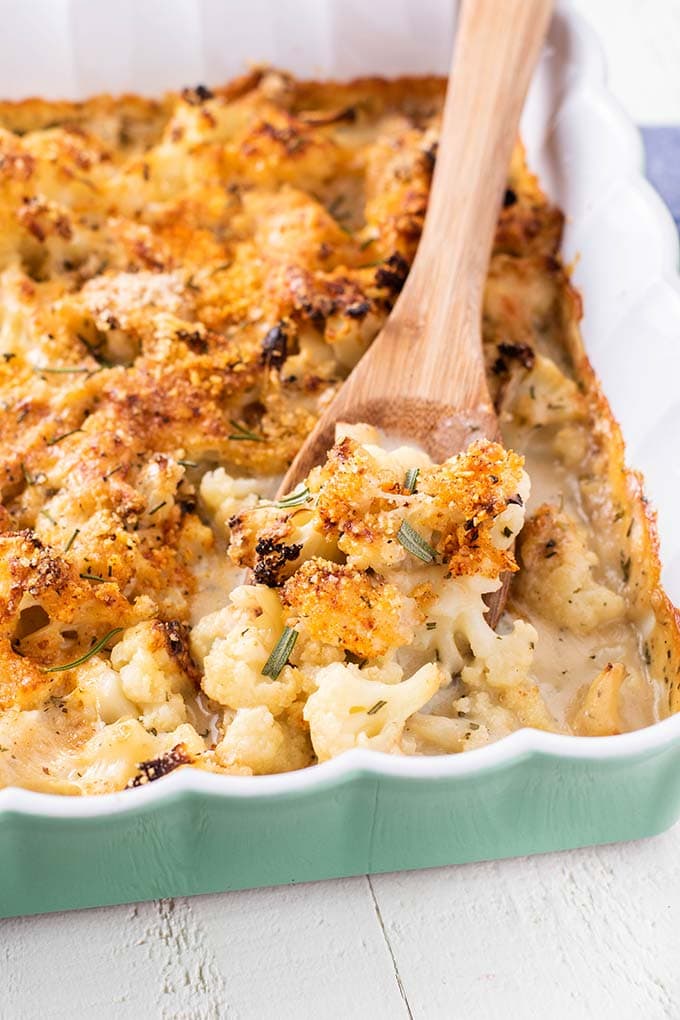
{"x": 565, "y": 661}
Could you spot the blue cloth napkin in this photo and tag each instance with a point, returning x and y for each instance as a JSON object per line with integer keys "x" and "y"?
{"x": 662, "y": 149}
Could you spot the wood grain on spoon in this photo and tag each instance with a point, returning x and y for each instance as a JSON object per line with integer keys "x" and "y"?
{"x": 423, "y": 377}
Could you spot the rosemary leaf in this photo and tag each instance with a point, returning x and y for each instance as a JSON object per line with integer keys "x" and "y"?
{"x": 376, "y": 708}
{"x": 415, "y": 543}
{"x": 88, "y": 655}
{"x": 92, "y": 577}
{"x": 72, "y": 540}
{"x": 64, "y": 435}
{"x": 243, "y": 433}
{"x": 156, "y": 508}
{"x": 297, "y": 498}
{"x": 280, "y": 653}
{"x": 411, "y": 479}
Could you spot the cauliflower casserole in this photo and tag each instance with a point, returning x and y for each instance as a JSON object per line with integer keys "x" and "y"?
{"x": 184, "y": 284}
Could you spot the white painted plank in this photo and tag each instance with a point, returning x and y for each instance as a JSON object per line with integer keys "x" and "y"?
{"x": 292, "y": 952}
{"x": 147, "y": 960}
{"x": 590, "y": 933}
{"x": 316, "y": 950}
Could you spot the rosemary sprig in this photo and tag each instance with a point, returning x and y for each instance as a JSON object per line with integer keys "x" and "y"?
{"x": 28, "y": 477}
{"x": 88, "y": 655}
{"x": 243, "y": 433}
{"x": 280, "y": 654}
{"x": 414, "y": 543}
{"x": 411, "y": 479}
{"x": 296, "y": 498}
{"x": 72, "y": 540}
{"x": 64, "y": 435}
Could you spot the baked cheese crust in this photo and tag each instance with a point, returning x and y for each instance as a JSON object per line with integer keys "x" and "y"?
{"x": 184, "y": 284}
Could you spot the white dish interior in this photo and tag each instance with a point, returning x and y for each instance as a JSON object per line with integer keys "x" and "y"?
{"x": 589, "y": 159}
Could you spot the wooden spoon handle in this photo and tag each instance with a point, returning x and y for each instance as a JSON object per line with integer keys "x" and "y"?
{"x": 430, "y": 347}
{"x": 423, "y": 377}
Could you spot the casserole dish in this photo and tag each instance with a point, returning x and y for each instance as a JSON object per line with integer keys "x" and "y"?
{"x": 196, "y": 832}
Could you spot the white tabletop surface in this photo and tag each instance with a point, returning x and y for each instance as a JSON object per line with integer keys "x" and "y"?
{"x": 590, "y": 933}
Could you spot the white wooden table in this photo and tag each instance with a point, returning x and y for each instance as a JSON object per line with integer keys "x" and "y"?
{"x": 591, "y": 933}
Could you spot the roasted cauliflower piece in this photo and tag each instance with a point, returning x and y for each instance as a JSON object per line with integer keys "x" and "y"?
{"x": 392, "y": 614}
{"x": 557, "y": 579}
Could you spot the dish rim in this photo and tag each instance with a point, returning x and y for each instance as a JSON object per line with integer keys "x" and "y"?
{"x": 589, "y": 63}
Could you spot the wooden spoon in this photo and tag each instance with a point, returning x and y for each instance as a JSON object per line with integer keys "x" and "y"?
{"x": 423, "y": 377}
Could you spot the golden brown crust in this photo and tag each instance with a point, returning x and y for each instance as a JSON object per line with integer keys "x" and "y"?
{"x": 183, "y": 284}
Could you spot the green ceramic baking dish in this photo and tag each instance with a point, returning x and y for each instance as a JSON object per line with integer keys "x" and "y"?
{"x": 194, "y": 832}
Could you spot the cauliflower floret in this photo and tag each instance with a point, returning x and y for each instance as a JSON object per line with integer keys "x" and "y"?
{"x": 257, "y": 743}
{"x": 546, "y": 396}
{"x": 208, "y": 629}
{"x": 111, "y": 758}
{"x": 477, "y": 720}
{"x": 233, "y": 666}
{"x": 156, "y": 672}
{"x": 347, "y": 710}
{"x": 557, "y": 581}
{"x": 103, "y": 685}
{"x": 223, "y": 496}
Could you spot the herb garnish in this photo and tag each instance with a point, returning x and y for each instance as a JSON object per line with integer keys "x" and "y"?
{"x": 88, "y": 655}
{"x": 280, "y": 653}
{"x": 72, "y": 540}
{"x": 376, "y": 708}
{"x": 92, "y": 577}
{"x": 430, "y": 625}
{"x": 188, "y": 463}
{"x": 297, "y": 498}
{"x": 415, "y": 543}
{"x": 243, "y": 433}
{"x": 64, "y": 435}
{"x": 28, "y": 477}
{"x": 411, "y": 479}
{"x": 156, "y": 508}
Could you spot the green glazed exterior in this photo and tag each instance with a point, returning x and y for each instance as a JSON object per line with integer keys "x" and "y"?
{"x": 363, "y": 821}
